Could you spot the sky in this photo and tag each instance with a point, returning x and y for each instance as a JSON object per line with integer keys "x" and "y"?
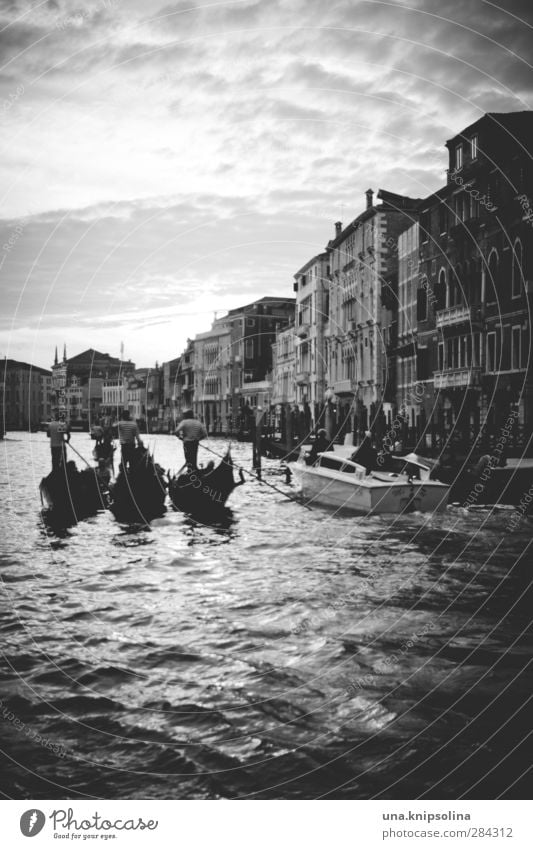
{"x": 164, "y": 162}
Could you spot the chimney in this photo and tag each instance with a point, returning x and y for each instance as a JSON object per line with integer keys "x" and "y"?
{"x": 338, "y": 228}
{"x": 369, "y": 197}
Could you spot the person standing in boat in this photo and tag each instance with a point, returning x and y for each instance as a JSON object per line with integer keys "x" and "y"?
{"x": 59, "y": 434}
{"x": 128, "y": 434}
{"x": 366, "y": 455}
{"x": 191, "y": 431}
{"x": 320, "y": 444}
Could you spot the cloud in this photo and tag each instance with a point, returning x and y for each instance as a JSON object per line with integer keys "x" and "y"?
{"x": 174, "y": 156}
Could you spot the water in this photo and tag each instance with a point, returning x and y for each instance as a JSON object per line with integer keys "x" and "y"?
{"x": 293, "y": 655}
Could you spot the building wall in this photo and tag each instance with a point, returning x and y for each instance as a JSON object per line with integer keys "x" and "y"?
{"x": 26, "y": 398}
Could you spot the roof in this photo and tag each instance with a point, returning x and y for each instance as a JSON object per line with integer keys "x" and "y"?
{"x": 309, "y": 263}
{"x": 265, "y": 301}
{"x": 17, "y": 364}
{"x": 519, "y": 125}
{"x": 91, "y": 354}
{"x": 391, "y": 203}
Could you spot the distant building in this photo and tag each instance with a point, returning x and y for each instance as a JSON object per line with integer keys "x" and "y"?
{"x": 213, "y": 377}
{"x": 363, "y": 256}
{"x": 26, "y": 395}
{"x": 311, "y": 284}
{"x": 78, "y": 384}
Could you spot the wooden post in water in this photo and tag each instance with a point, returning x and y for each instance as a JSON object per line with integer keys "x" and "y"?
{"x": 256, "y": 452}
{"x": 288, "y": 428}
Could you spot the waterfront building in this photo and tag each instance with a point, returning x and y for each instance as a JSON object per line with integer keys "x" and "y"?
{"x": 77, "y": 384}
{"x": 213, "y": 377}
{"x": 233, "y": 363}
{"x": 363, "y": 255}
{"x": 26, "y": 395}
{"x": 311, "y": 284}
{"x": 171, "y": 371}
{"x": 474, "y": 290}
{"x": 283, "y": 399}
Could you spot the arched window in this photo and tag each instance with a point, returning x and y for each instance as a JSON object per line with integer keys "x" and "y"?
{"x": 518, "y": 271}
{"x": 440, "y": 290}
{"x": 475, "y": 282}
{"x": 492, "y": 277}
{"x": 455, "y": 285}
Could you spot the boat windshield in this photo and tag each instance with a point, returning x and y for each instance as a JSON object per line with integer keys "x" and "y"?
{"x": 339, "y": 465}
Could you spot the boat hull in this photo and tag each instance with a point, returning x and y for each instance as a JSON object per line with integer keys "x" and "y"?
{"x": 67, "y": 499}
{"x": 370, "y": 495}
{"x": 203, "y": 493}
{"x": 138, "y": 495}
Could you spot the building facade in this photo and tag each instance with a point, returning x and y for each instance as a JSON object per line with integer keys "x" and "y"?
{"x": 363, "y": 256}
{"x": 311, "y": 284}
{"x": 474, "y": 290}
{"x": 26, "y": 395}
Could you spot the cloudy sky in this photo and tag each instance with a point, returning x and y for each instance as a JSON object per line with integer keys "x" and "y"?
{"x": 163, "y": 161}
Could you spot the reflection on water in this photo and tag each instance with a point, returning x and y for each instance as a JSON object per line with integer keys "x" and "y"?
{"x": 291, "y": 654}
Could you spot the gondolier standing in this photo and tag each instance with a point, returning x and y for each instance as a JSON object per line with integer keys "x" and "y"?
{"x": 191, "y": 431}
{"x": 59, "y": 434}
{"x": 128, "y": 434}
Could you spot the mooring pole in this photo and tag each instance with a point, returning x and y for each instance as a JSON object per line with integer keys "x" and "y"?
{"x": 257, "y": 441}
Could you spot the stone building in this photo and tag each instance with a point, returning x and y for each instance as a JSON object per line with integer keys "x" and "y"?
{"x": 26, "y": 395}
{"x": 213, "y": 377}
{"x": 78, "y": 383}
{"x": 474, "y": 290}
{"x": 363, "y": 256}
{"x": 311, "y": 284}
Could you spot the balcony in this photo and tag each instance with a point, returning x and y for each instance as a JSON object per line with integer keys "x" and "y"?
{"x": 455, "y": 378}
{"x": 343, "y": 387}
{"x": 303, "y": 330}
{"x": 302, "y": 377}
{"x": 454, "y": 315}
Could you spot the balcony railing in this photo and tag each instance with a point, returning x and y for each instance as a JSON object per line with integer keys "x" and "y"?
{"x": 303, "y": 329}
{"x": 457, "y": 377}
{"x": 454, "y": 315}
{"x": 302, "y": 377}
{"x": 343, "y": 387}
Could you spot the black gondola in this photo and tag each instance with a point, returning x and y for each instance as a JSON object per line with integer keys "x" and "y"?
{"x": 138, "y": 494}
{"x": 68, "y": 495}
{"x": 203, "y": 493}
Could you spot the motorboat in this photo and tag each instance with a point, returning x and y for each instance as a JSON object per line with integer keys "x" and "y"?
{"x": 338, "y": 482}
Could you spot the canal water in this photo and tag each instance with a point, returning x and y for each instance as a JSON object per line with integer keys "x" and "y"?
{"x": 294, "y": 654}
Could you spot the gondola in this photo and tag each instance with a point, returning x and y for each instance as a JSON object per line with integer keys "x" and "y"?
{"x": 138, "y": 494}
{"x": 203, "y": 493}
{"x": 68, "y": 495}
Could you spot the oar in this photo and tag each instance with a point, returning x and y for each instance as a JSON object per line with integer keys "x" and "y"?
{"x": 271, "y": 485}
{"x": 79, "y": 455}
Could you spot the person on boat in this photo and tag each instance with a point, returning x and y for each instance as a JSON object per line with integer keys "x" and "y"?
{"x": 191, "y": 431}
{"x": 104, "y": 449}
{"x": 320, "y": 444}
{"x": 103, "y": 475}
{"x": 59, "y": 434}
{"x": 128, "y": 434}
{"x": 366, "y": 455}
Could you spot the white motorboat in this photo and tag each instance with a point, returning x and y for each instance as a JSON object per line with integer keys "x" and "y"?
{"x": 338, "y": 482}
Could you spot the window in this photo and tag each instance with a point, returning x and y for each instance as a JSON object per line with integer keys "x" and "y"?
{"x": 473, "y": 147}
{"x": 249, "y": 349}
{"x": 517, "y": 269}
{"x": 441, "y": 290}
{"x": 422, "y": 303}
{"x": 516, "y": 343}
{"x": 441, "y": 356}
{"x": 442, "y": 218}
{"x": 492, "y": 278}
{"x": 491, "y": 352}
{"x": 459, "y": 157}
